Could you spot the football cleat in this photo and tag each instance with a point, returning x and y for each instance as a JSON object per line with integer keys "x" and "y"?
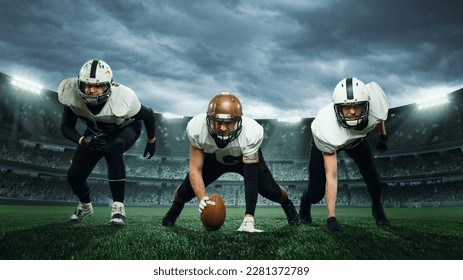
{"x": 378, "y": 213}
{"x": 291, "y": 214}
{"x": 248, "y": 225}
{"x": 117, "y": 215}
{"x": 304, "y": 212}
{"x": 332, "y": 225}
{"x": 82, "y": 211}
{"x": 172, "y": 215}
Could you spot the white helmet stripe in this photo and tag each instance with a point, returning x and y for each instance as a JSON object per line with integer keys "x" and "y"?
{"x": 223, "y": 116}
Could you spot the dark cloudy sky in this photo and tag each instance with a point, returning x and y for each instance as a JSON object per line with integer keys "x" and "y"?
{"x": 282, "y": 58}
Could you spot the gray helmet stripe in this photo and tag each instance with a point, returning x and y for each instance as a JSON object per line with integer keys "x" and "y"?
{"x": 349, "y": 89}
{"x": 93, "y": 69}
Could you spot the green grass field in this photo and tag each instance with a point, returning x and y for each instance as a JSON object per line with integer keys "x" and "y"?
{"x": 43, "y": 233}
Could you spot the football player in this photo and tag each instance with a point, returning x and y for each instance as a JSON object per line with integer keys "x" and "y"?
{"x": 113, "y": 116}
{"x": 342, "y": 125}
{"x": 223, "y": 140}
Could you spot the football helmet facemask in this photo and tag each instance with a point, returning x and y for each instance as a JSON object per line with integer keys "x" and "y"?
{"x": 349, "y": 92}
{"x": 95, "y": 72}
{"x": 224, "y": 108}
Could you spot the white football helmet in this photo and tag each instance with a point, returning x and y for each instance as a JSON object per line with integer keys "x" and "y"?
{"x": 95, "y": 72}
{"x": 348, "y": 92}
{"x": 224, "y": 107}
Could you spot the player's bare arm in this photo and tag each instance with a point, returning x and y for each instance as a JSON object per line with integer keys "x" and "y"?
{"x": 331, "y": 187}
{"x": 195, "y": 171}
{"x": 253, "y": 158}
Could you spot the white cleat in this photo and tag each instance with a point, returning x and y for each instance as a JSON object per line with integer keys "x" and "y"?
{"x": 117, "y": 215}
{"x": 82, "y": 211}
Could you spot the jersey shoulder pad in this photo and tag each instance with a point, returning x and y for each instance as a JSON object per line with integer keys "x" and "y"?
{"x": 124, "y": 101}
{"x": 252, "y": 129}
{"x": 378, "y": 101}
{"x": 67, "y": 90}
{"x": 325, "y": 128}
{"x": 251, "y": 136}
{"x": 196, "y": 130}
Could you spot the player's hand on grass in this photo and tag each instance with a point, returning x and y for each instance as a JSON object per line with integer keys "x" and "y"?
{"x": 204, "y": 202}
{"x": 332, "y": 225}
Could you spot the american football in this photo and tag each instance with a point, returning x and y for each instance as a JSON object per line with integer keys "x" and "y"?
{"x": 213, "y": 216}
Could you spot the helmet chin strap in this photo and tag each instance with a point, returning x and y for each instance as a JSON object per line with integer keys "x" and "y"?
{"x": 220, "y": 141}
{"x": 359, "y": 125}
{"x": 220, "y": 144}
{"x": 352, "y": 123}
{"x": 96, "y": 100}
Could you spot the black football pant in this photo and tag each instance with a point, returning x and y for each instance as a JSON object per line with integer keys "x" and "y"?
{"x": 85, "y": 160}
{"x": 212, "y": 170}
{"x": 362, "y": 156}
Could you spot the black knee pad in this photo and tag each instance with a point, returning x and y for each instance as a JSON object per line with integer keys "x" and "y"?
{"x": 115, "y": 149}
{"x": 74, "y": 177}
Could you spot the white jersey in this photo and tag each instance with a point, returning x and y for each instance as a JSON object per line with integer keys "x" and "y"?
{"x": 329, "y": 136}
{"x": 247, "y": 143}
{"x": 117, "y": 112}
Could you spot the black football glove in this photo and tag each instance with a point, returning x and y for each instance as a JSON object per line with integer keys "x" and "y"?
{"x": 150, "y": 149}
{"x": 332, "y": 225}
{"x": 94, "y": 143}
{"x": 382, "y": 143}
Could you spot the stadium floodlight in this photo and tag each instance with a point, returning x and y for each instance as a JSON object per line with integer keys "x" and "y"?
{"x": 171, "y": 116}
{"x": 289, "y": 119}
{"x": 432, "y": 101}
{"x": 26, "y": 85}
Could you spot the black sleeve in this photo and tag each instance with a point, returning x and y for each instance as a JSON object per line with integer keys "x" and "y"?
{"x": 68, "y": 125}
{"x": 147, "y": 115}
{"x": 250, "y": 174}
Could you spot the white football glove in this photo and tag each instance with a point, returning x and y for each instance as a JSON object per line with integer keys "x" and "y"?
{"x": 204, "y": 202}
{"x": 248, "y": 225}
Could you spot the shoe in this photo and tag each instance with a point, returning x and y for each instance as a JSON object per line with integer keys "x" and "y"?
{"x": 82, "y": 211}
{"x": 248, "y": 225}
{"x": 304, "y": 212}
{"x": 172, "y": 215}
{"x": 117, "y": 215}
{"x": 378, "y": 213}
{"x": 291, "y": 214}
{"x": 332, "y": 225}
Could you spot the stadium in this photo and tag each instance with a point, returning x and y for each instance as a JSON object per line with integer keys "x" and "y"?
{"x": 422, "y": 170}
